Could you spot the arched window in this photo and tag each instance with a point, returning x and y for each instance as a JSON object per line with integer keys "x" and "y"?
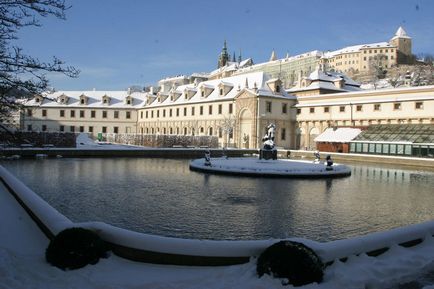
{"x": 210, "y": 131}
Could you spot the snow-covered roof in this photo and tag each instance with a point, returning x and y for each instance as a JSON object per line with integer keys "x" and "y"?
{"x": 400, "y": 33}
{"x": 342, "y": 135}
{"x": 256, "y": 83}
{"x": 327, "y": 80}
{"x": 94, "y": 99}
{"x": 356, "y": 48}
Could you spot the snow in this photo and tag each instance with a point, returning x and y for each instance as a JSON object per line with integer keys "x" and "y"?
{"x": 83, "y": 141}
{"x": 282, "y": 167}
{"x": 342, "y": 135}
{"x": 22, "y": 263}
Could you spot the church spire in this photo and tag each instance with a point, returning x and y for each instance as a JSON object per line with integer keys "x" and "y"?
{"x": 224, "y": 56}
{"x": 239, "y": 57}
{"x": 233, "y": 57}
{"x": 273, "y": 56}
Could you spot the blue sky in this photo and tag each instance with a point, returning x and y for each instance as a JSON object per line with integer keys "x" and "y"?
{"x": 118, "y": 43}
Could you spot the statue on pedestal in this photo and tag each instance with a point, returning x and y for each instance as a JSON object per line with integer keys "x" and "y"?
{"x": 268, "y": 150}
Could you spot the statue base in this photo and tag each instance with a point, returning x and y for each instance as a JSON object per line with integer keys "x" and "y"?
{"x": 268, "y": 154}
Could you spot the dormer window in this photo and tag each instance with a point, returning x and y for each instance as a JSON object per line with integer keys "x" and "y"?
{"x": 63, "y": 99}
{"x": 83, "y": 99}
{"x": 275, "y": 85}
{"x": 38, "y": 99}
{"x": 129, "y": 100}
{"x": 206, "y": 90}
{"x": 106, "y": 100}
{"x": 224, "y": 88}
{"x": 189, "y": 93}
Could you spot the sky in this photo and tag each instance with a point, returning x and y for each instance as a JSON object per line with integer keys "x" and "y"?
{"x": 119, "y": 43}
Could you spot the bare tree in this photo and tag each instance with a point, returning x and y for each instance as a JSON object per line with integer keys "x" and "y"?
{"x": 227, "y": 124}
{"x": 21, "y": 75}
{"x": 376, "y": 68}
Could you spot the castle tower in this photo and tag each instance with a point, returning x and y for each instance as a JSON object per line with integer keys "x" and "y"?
{"x": 224, "y": 56}
{"x": 403, "y": 43}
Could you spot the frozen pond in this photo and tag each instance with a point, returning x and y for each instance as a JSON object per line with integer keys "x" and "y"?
{"x": 164, "y": 197}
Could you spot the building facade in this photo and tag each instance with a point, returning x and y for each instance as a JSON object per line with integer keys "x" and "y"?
{"x": 361, "y": 58}
{"x": 316, "y": 113}
{"x": 92, "y": 112}
{"x": 236, "y": 109}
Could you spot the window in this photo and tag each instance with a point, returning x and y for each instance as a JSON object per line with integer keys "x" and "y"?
{"x": 268, "y": 106}
{"x": 128, "y": 114}
{"x": 230, "y": 108}
{"x": 283, "y": 134}
{"x": 29, "y": 112}
{"x": 358, "y": 108}
{"x": 62, "y": 113}
{"x": 152, "y": 114}
{"x": 210, "y": 131}
{"x": 61, "y": 128}
{"x": 146, "y": 114}
{"x": 221, "y": 91}
{"x": 312, "y": 110}
{"x": 418, "y": 105}
{"x": 141, "y": 114}
{"x": 377, "y": 107}
{"x": 164, "y": 113}
{"x": 210, "y": 109}
{"x": 342, "y": 109}
{"x": 44, "y": 112}
{"x": 220, "y": 132}
{"x": 128, "y": 101}
{"x": 104, "y": 114}
{"x": 116, "y": 114}
{"x": 116, "y": 129}
{"x": 192, "y": 110}
{"x": 81, "y": 128}
{"x": 170, "y": 113}
{"x": 284, "y": 108}
{"x": 82, "y": 101}
{"x": 298, "y": 110}
{"x": 202, "y": 93}
{"x": 72, "y": 113}
{"x": 185, "y": 111}
{"x": 29, "y": 127}
{"x": 44, "y": 127}
{"x": 82, "y": 113}
{"x": 72, "y": 128}
{"x": 90, "y": 129}
{"x": 220, "y": 109}
{"x": 104, "y": 129}
{"x": 326, "y": 109}
{"x": 397, "y": 106}
{"x": 201, "y": 110}
{"x": 177, "y": 112}
{"x": 158, "y": 113}
{"x": 92, "y": 113}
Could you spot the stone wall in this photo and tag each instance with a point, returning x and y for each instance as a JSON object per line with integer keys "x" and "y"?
{"x": 160, "y": 141}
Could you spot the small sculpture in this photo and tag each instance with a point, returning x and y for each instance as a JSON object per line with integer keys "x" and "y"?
{"x": 207, "y": 158}
{"x": 329, "y": 163}
{"x": 317, "y": 157}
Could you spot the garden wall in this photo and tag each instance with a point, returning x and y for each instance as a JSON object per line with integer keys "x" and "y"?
{"x": 160, "y": 141}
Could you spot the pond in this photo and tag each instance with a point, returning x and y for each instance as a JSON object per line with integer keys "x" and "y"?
{"x": 162, "y": 196}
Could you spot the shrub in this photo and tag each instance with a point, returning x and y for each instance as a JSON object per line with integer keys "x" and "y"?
{"x": 75, "y": 248}
{"x": 294, "y": 261}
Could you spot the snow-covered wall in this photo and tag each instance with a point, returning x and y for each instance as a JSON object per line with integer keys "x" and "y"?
{"x": 174, "y": 248}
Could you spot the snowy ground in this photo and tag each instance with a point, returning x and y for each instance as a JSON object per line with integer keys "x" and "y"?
{"x": 84, "y": 142}
{"x": 22, "y": 265}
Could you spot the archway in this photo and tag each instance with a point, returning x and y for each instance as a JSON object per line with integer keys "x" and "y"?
{"x": 313, "y": 133}
{"x": 245, "y": 136}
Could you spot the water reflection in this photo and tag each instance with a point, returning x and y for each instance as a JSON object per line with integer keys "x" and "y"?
{"x": 163, "y": 197}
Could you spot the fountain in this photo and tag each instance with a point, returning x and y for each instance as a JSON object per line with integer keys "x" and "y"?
{"x": 267, "y": 165}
